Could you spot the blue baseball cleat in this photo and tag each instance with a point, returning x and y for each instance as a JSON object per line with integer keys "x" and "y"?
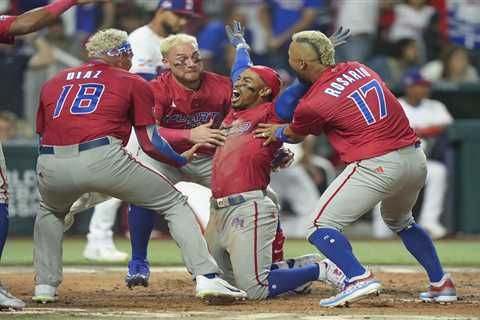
{"x": 138, "y": 273}
{"x": 354, "y": 291}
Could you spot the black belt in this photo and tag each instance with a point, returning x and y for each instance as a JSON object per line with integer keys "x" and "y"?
{"x": 81, "y": 146}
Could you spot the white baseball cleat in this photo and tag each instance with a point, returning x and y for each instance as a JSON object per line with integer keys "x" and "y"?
{"x": 217, "y": 290}
{"x": 9, "y": 301}
{"x": 103, "y": 251}
{"x": 354, "y": 291}
{"x": 442, "y": 292}
{"x": 45, "y": 293}
{"x": 331, "y": 274}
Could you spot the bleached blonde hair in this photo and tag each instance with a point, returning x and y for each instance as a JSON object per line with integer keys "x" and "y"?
{"x": 105, "y": 40}
{"x": 320, "y": 43}
{"x": 175, "y": 40}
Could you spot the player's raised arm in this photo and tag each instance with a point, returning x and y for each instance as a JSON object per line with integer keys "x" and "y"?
{"x": 235, "y": 34}
{"x": 36, "y": 19}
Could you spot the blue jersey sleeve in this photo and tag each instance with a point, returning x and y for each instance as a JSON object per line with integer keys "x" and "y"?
{"x": 242, "y": 62}
{"x": 286, "y": 103}
{"x": 147, "y": 76}
{"x": 165, "y": 149}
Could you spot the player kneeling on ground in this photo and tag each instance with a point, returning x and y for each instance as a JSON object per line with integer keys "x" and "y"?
{"x": 84, "y": 120}
{"x": 243, "y": 219}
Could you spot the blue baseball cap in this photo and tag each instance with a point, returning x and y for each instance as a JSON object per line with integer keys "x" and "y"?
{"x": 180, "y": 6}
{"x": 414, "y": 77}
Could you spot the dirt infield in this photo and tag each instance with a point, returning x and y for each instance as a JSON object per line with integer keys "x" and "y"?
{"x": 103, "y": 291}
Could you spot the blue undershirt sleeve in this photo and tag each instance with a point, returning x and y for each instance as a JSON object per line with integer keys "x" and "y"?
{"x": 165, "y": 149}
{"x": 242, "y": 62}
{"x": 286, "y": 103}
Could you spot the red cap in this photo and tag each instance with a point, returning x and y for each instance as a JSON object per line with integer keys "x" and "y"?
{"x": 270, "y": 77}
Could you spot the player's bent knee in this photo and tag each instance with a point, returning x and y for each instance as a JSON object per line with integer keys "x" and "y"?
{"x": 399, "y": 224}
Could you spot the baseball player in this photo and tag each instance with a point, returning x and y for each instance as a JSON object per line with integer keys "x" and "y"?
{"x": 170, "y": 17}
{"x": 84, "y": 119}
{"x": 243, "y": 219}
{"x": 11, "y": 26}
{"x": 190, "y": 104}
{"x": 366, "y": 125}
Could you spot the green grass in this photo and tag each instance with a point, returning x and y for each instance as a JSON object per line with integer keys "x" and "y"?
{"x": 453, "y": 253}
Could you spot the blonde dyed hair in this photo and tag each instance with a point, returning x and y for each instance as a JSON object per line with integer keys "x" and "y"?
{"x": 105, "y": 40}
{"x": 319, "y": 43}
{"x": 177, "y": 39}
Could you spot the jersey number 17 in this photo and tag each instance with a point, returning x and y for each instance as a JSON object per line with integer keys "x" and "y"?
{"x": 86, "y": 99}
{"x": 358, "y": 96}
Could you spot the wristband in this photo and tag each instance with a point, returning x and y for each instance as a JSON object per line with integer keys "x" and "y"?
{"x": 59, "y": 7}
{"x": 279, "y": 134}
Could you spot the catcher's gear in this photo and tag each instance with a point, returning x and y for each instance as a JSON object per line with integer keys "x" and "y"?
{"x": 236, "y": 34}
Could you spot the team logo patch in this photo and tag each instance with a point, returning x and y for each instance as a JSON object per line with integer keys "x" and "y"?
{"x": 244, "y": 127}
{"x": 238, "y": 223}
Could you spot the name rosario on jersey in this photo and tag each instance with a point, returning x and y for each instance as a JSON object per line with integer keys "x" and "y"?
{"x": 191, "y": 120}
{"x": 83, "y": 75}
{"x": 344, "y": 80}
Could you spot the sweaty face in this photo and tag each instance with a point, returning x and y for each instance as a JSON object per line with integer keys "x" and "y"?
{"x": 174, "y": 22}
{"x": 185, "y": 62}
{"x": 246, "y": 89}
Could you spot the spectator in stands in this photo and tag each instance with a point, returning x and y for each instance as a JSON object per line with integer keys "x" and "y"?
{"x": 282, "y": 19}
{"x": 412, "y": 19}
{"x": 392, "y": 68}
{"x": 361, "y": 17}
{"x": 8, "y": 126}
{"x": 454, "y": 66}
{"x": 429, "y": 118}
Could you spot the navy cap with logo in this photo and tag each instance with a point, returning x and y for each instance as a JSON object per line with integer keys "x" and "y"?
{"x": 180, "y": 6}
{"x": 414, "y": 77}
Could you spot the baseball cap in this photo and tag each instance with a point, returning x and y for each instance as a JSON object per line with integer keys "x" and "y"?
{"x": 270, "y": 77}
{"x": 414, "y": 77}
{"x": 180, "y": 6}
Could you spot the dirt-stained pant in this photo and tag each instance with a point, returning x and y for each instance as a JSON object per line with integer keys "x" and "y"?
{"x": 394, "y": 179}
{"x": 64, "y": 176}
{"x": 3, "y": 178}
{"x": 240, "y": 239}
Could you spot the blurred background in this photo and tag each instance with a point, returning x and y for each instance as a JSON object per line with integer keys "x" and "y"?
{"x": 427, "y": 51}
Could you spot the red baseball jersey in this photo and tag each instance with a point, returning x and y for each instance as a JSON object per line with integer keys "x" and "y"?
{"x": 178, "y": 107}
{"x": 359, "y": 114}
{"x": 5, "y": 23}
{"x": 93, "y": 101}
{"x": 243, "y": 163}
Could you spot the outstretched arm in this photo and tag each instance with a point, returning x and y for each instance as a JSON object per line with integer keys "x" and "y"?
{"x": 159, "y": 149}
{"x": 286, "y": 103}
{"x": 36, "y": 19}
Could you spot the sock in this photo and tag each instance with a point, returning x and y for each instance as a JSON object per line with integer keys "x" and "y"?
{"x": 420, "y": 245}
{"x": 283, "y": 280}
{"x": 140, "y": 225}
{"x": 3, "y": 226}
{"x": 335, "y": 246}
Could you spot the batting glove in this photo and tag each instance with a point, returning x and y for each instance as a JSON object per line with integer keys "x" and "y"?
{"x": 236, "y": 34}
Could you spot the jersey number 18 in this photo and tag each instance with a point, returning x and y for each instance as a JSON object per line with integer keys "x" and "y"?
{"x": 86, "y": 100}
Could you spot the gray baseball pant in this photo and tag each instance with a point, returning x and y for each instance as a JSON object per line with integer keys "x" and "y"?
{"x": 64, "y": 176}
{"x": 394, "y": 179}
{"x": 240, "y": 239}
